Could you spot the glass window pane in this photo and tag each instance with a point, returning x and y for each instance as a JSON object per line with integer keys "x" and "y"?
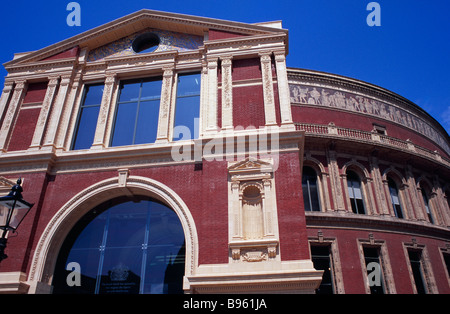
{"x": 187, "y": 115}
{"x": 124, "y": 125}
{"x": 189, "y": 85}
{"x": 92, "y": 235}
{"x": 88, "y": 259}
{"x": 141, "y": 250}
{"x": 314, "y": 197}
{"x": 87, "y": 124}
{"x": 126, "y": 226}
{"x": 93, "y": 95}
{"x": 147, "y": 123}
{"x": 121, "y": 271}
{"x": 151, "y": 89}
{"x": 129, "y": 91}
{"x": 350, "y": 188}
{"x": 357, "y": 189}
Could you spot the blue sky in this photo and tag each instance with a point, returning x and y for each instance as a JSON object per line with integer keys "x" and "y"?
{"x": 408, "y": 54}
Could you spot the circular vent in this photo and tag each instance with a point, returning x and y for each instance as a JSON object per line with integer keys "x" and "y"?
{"x": 147, "y": 42}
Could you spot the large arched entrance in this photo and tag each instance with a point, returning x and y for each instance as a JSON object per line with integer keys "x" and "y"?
{"x": 126, "y": 245}
{"x": 102, "y": 201}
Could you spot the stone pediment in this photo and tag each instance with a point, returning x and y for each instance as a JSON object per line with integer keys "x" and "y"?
{"x": 6, "y": 182}
{"x": 178, "y": 25}
{"x": 250, "y": 165}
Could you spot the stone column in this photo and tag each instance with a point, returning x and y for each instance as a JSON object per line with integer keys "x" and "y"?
{"x": 227, "y": 93}
{"x": 415, "y": 195}
{"x": 105, "y": 108}
{"x": 11, "y": 113}
{"x": 336, "y": 186}
{"x": 380, "y": 194}
{"x": 267, "y": 80}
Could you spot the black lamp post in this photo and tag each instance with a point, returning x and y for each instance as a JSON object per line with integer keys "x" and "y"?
{"x": 13, "y": 209}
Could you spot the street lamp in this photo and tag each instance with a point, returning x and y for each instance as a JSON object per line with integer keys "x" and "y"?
{"x": 13, "y": 209}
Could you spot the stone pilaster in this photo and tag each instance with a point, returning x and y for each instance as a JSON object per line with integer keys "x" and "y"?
{"x": 105, "y": 109}
{"x": 227, "y": 93}
{"x": 267, "y": 80}
{"x": 11, "y": 113}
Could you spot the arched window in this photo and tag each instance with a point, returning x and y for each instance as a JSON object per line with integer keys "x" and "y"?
{"x": 395, "y": 198}
{"x": 355, "y": 193}
{"x": 426, "y": 201}
{"x": 310, "y": 189}
{"x": 124, "y": 246}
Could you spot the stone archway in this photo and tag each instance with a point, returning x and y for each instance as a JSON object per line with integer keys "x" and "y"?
{"x": 47, "y": 249}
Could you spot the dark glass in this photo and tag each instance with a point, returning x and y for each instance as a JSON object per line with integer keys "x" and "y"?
{"x": 372, "y": 255}
{"x": 125, "y": 124}
{"x": 187, "y": 110}
{"x": 151, "y": 90}
{"x": 395, "y": 199}
{"x": 427, "y": 206}
{"x": 125, "y": 247}
{"x": 137, "y": 112}
{"x": 310, "y": 190}
{"x": 94, "y": 95}
{"x": 320, "y": 256}
{"x": 415, "y": 259}
{"x": 355, "y": 193}
{"x": 147, "y": 119}
{"x": 87, "y": 117}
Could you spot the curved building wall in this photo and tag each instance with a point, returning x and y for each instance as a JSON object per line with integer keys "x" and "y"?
{"x": 396, "y": 210}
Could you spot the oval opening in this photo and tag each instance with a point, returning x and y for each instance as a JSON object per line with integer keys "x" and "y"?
{"x": 144, "y": 43}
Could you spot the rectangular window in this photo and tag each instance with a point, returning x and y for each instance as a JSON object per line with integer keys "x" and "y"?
{"x": 321, "y": 258}
{"x": 447, "y": 263}
{"x": 137, "y": 113}
{"x": 374, "y": 269}
{"x": 87, "y": 117}
{"x": 355, "y": 193}
{"x": 415, "y": 259}
{"x": 187, "y": 108}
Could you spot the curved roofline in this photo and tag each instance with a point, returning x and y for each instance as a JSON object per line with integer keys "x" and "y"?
{"x": 376, "y": 88}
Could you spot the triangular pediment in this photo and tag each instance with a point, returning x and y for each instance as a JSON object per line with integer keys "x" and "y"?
{"x": 250, "y": 164}
{"x": 178, "y": 25}
{"x": 5, "y": 185}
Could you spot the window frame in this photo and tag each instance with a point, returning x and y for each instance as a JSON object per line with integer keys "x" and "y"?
{"x": 309, "y": 191}
{"x": 79, "y": 114}
{"x": 393, "y": 183}
{"x": 141, "y": 80}
{"x": 175, "y": 101}
{"x": 353, "y": 199}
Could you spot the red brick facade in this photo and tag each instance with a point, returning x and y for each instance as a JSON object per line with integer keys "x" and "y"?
{"x": 64, "y": 183}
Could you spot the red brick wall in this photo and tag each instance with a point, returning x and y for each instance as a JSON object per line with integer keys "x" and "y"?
{"x": 25, "y": 125}
{"x": 291, "y": 214}
{"x": 248, "y": 101}
{"x": 216, "y": 34}
{"x": 351, "y": 265}
{"x": 70, "y": 53}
